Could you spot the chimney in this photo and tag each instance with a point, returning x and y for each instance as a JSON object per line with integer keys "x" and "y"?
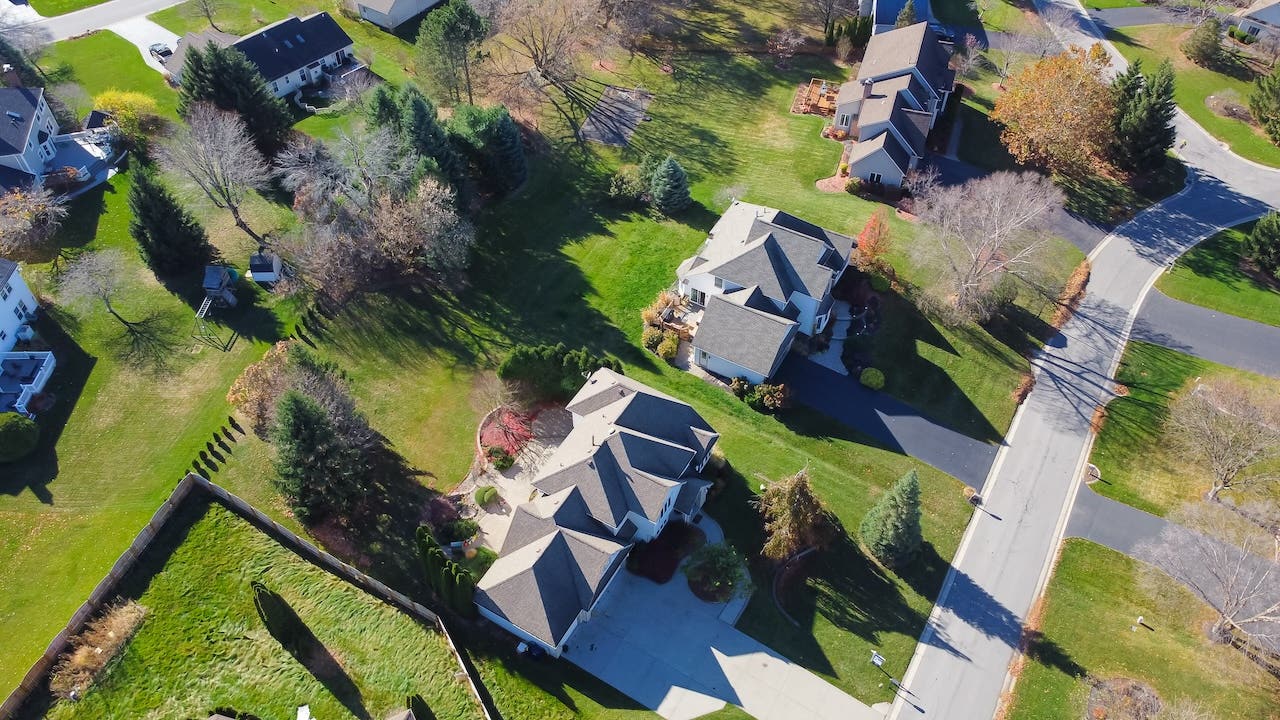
{"x": 866, "y": 88}
{"x": 10, "y": 76}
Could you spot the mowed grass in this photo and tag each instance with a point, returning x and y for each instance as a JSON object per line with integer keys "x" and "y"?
{"x": 1001, "y": 15}
{"x": 49, "y": 8}
{"x": 1215, "y": 275}
{"x": 392, "y": 53}
{"x": 104, "y": 61}
{"x": 1193, "y": 84}
{"x": 201, "y": 623}
{"x": 1093, "y": 600}
{"x": 1138, "y": 465}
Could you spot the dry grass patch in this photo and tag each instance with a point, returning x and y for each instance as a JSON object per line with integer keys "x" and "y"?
{"x": 94, "y": 648}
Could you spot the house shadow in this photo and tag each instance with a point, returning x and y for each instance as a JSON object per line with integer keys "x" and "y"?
{"x": 288, "y": 628}
{"x": 74, "y": 366}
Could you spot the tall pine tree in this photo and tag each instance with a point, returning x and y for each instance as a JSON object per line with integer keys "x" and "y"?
{"x": 491, "y": 138}
{"x": 169, "y": 238}
{"x": 907, "y": 16}
{"x": 670, "y": 188}
{"x": 1263, "y": 244}
{"x": 383, "y": 107}
{"x": 448, "y": 47}
{"x": 1264, "y": 103}
{"x": 891, "y": 529}
{"x": 422, "y": 131}
{"x": 315, "y": 469}
{"x": 1143, "y": 127}
{"x": 226, "y": 78}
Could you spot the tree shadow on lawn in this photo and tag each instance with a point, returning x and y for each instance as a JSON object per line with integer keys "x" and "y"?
{"x": 251, "y": 318}
{"x": 1220, "y": 259}
{"x": 74, "y": 366}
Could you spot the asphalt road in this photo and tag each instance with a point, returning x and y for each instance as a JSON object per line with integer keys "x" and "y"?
{"x": 961, "y": 665}
{"x": 1214, "y": 336}
{"x": 89, "y": 19}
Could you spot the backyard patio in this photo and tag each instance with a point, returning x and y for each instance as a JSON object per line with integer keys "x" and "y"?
{"x": 23, "y": 376}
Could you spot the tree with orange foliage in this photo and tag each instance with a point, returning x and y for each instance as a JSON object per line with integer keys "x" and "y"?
{"x": 1057, "y": 112}
{"x": 873, "y": 242}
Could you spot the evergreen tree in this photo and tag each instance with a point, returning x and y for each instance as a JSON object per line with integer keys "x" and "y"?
{"x": 891, "y": 529}
{"x": 1143, "y": 128}
{"x": 169, "y": 238}
{"x": 670, "y": 188}
{"x": 448, "y": 47}
{"x": 508, "y": 149}
{"x": 383, "y": 108}
{"x": 1204, "y": 46}
{"x": 491, "y": 138}
{"x": 315, "y": 469}
{"x": 1264, "y": 103}
{"x": 1263, "y": 244}
{"x": 423, "y": 133}
{"x": 463, "y": 591}
{"x": 907, "y": 16}
{"x": 430, "y": 554}
{"x": 226, "y": 78}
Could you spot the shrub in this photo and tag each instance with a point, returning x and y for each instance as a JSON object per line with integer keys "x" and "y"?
{"x": 853, "y": 186}
{"x": 1262, "y": 246}
{"x": 872, "y": 378}
{"x": 499, "y": 456}
{"x": 771, "y": 398}
{"x": 669, "y": 347}
{"x": 459, "y": 530}
{"x": 891, "y": 529}
{"x": 1204, "y": 46}
{"x": 879, "y": 283}
{"x": 18, "y": 436}
{"x": 739, "y": 387}
{"x": 628, "y": 187}
{"x": 553, "y": 370}
{"x": 844, "y": 169}
{"x": 716, "y": 572}
{"x": 651, "y": 338}
{"x": 486, "y": 495}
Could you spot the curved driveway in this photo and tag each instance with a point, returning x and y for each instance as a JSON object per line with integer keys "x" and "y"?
{"x": 961, "y": 664}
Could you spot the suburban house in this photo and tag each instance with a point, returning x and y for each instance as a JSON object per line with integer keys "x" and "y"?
{"x": 630, "y": 464}
{"x": 902, "y": 86}
{"x": 32, "y": 151}
{"x": 1261, "y": 18}
{"x": 23, "y": 373}
{"x": 761, "y": 278}
{"x": 391, "y": 14}
{"x": 290, "y": 54}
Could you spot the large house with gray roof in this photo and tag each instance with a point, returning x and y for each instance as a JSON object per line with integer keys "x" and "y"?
{"x": 761, "y": 278}
{"x": 630, "y": 465}
{"x": 902, "y": 86}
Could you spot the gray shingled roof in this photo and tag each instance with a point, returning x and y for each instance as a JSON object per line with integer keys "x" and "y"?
{"x": 885, "y": 141}
{"x": 605, "y": 387}
{"x": 292, "y": 44}
{"x": 899, "y": 50}
{"x": 7, "y": 269}
{"x": 14, "y": 129}
{"x": 737, "y": 327}
{"x": 780, "y": 260}
{"x": 624, "y": 472}
{"x": 849, "y": 92}
{"x": 544, "y": 515}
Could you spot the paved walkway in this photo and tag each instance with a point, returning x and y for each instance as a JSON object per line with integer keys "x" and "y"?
{"x": 961, "y": 664}
{"x": 1209, "y": 334}
{"x": 670, "y": 652}
{"x": 887, "y": 420}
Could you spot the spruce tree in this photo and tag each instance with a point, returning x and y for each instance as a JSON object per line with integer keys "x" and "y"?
{"x": 891, "y": 529}
{"x": 226, "y": 78}
{"x": 422, "y": 132}
{"x": 447, "y": 47}
{"x": 1204, "y": 46}
{"x": 1263, "y": 244}
{"x": 1156, "y": 110}
{"x": 670, "y": 188}
{"x": 508, "y": 149}
{"x": 315, "y": 469}
{"x": 169, "y": 238}
{"x": 1126, "y": 88}
{"x": 1264, "y": 103}
{"x": 907, "y": 16}
{"x": 383, "y": 108}
{"x": 491, "y": 138}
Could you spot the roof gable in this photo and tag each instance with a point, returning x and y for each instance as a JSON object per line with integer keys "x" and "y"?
{"x": 20, "y": 106}
{"x": 292, "y": 44}
{"x": 744, "y": 335}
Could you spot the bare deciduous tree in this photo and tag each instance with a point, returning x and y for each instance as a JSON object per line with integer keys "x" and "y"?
{"x": 1229, "y": 564}
{"x": 968, "y": 56}
{"x": 95, "y": 277}
{"x": 206, "y": 9}
{"x": 985, "y": 228}
{"x": 1268, "y": 46}
{"x": 824, "y": 11}
{"x": 1015, "y": 49}
{"x": 784, "y": 44}
{"x": 1227, "y": 428}
{"x": 423, "y": 231}
{"x": 29, "y": 218}
{"x": 214, "y": 153}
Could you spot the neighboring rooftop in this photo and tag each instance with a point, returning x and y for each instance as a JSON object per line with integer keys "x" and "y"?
{"x": 7, "y": 269}
{"x": 886, "y": 141}
{"x": 285, "y": 46}
{"x": 19, "y": 106}
{"x": 745, "y": 328}
{"x": 200, "y": 40}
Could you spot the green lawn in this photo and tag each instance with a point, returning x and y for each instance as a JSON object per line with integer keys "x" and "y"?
{"x": 1154, "y": 43}
{"x": 201, "y": 623}
{"x": 1093, "y": 600}
{"x": 1112, "y": 4}
{"x": 1138, "y": 466}
{"x": 392, "y": 53}
{"x": 1000, "y": 15}
{"x": 1212, "y": 275}
{"x": 49, "y": 8}
{"x": 105, "y": 61}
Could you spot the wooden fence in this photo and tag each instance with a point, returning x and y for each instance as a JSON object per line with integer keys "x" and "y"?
{"x": 105, "y": 591}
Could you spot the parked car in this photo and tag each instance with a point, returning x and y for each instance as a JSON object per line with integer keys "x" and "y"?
{"x": 161, "y": 51}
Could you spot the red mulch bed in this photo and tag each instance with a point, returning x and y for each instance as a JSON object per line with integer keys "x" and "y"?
{"x": 509, "y": 430}
{"x": 659, "y": 558}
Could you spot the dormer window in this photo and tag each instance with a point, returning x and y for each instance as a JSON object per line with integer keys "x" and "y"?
{"x": 719, "y": 283}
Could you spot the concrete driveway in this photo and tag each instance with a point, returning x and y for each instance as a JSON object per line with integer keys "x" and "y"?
{"x": 669, "y": 651}
{"x": 92, "y": 18}
{"x": 143, "y": 34}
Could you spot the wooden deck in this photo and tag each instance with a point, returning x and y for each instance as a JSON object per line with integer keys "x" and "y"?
{"x": 817, "y": 97}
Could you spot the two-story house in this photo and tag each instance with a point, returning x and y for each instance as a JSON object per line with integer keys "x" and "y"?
{"x": 23, "y": 374}
{"x": 761, "y": 277}
{"x": 27, "y": 132}
{"x": 630, "y": 465}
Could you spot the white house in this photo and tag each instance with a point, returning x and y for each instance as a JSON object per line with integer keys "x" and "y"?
{"x": 27, "y": 132}
{"x": 903, "y": 84}
{"x": 630, "y": 464}
{"x": 290, "y": 54}
{"x": 1261, "y": 18}
{"x": 761, "y": 278}
{"x": 23, "y": 373}
{"x": 390, "y": 14}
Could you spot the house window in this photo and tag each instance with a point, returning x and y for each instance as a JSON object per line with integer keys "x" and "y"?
{"x": 701, "y": 356}
{"x": 4, "y": 294}
{"x": 843, "y": 120}
{"x": 3, "y": 336}
{"x": 697, "y": 296}
{"x": 1253, "y": 30}
{"x": 275, "y": 86}
{"x": 20, "y": 311}
{"x": 302, "y": 75}
{"x": 875, "y": 178}
{"x": 719, "y": 283}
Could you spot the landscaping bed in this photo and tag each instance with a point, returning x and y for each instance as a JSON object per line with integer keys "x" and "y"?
{"x": 659, "y": 558}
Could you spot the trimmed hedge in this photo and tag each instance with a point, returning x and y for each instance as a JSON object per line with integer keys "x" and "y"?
{"x": 486, "y": 494}
{"x": 872, "y": 378}
{"x": 19, "y": 435}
